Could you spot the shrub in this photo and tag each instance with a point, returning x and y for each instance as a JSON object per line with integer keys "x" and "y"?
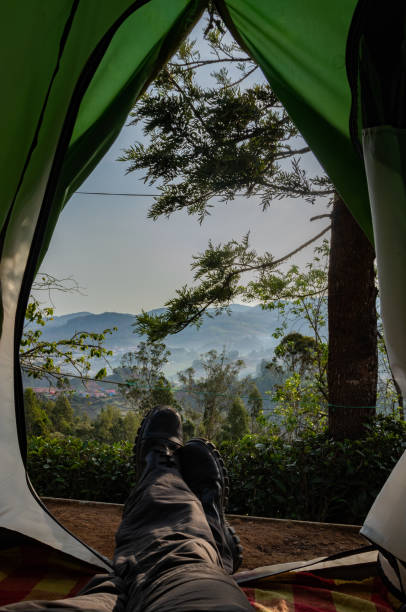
{"x": 313, "y": 478}
{"x": 77, "y": 469}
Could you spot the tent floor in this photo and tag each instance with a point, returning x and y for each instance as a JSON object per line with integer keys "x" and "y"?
{"x": 265, "y": 541}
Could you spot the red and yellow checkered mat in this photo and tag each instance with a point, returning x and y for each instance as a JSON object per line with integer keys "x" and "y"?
{"x": 306, "y": 592}
{"x": 37, "y": 572}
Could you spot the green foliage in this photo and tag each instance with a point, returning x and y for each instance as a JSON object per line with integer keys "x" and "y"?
{"x": 214, "y": 392}
{"x": 216, "y": 137}
{"x": 111, "y": 426}
{"x": 296, "y": 352}
{"x": 57, "y": 419}
{"x": 236, "y": 424}
{"x": 83, "y": 427}
{"x": 162, "y": 394}
{"x": 313, "y": 478}
{"x": 61, "y": 414}
{"x": 77, "y": 469}
{"x": 189, "y": 429}
{"x": 300, "y": 407}
{"x": 36, "y": 419}
{"x": 255, "y": 405}
{"x": 219, "y": 138}
{"x": 48, "y": 359}
{"x": 389, "y": 393}
{"x": 146, "y": 383}
{"x": 218, "y": 273}
{"x": 299, "y": 295}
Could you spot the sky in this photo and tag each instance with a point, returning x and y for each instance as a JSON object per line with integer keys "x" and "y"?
{"x": 125, "y": 262}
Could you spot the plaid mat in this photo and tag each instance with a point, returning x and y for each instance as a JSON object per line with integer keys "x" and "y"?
{"x": 38, "y": 572}
{"x": 306, "y": 592}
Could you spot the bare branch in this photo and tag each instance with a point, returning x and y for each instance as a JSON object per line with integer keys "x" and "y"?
{"x": 289, "y": 152}
{"x": 325, "y": 216}
{"x": 245, "y": 76}
{"x": 198, "y": 63}
{"x": 304, "y": 245}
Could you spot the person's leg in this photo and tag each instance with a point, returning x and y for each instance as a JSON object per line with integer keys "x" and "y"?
{"x": 104, "y": 593}
{"x": 166, "y": 557}
{"x": 165, "y": 551}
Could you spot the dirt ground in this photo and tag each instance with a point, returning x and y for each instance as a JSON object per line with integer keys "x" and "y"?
{"x": 265, "y": 541}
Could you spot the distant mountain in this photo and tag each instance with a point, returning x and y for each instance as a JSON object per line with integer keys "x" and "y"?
{"x": 246, "y": 332}
{"x": 66, "y": 325}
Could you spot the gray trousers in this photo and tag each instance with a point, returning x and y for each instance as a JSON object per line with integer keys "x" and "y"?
{"x": 165, "y": 558}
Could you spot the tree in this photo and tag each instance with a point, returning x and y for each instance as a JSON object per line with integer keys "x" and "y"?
{"x": 297, "y": 353}
{"x": 146, "y": 383}
{"x": 255, "y": 404}
{"x": 300, "y": 406}
{"x": 301, "y": 399}
{"x": 214, "y": 392}
{"x": 109, "y": 425}
{"x": 83, "y": 427}
{"x": 352, "y": 348}
{"x": 236, "y": 424}
{"x": 131, "y": 423}
{"x": 61, "y": 415}
{"x": 229, "y": 138}
{"x": 53, "y": 360}
{"x": 36, "y": 419}
{"x": 162, "y": 394}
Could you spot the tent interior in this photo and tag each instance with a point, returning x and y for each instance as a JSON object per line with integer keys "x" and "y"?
{"x": 73, "y": 70}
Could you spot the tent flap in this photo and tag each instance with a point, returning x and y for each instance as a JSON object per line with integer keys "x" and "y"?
{"x": 71, "y": 71}
{"x": 301, "y": 49}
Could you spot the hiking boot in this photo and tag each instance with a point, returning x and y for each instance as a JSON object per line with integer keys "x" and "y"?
{"x": 203, "y": 470}
{"x": 158, "y": 438}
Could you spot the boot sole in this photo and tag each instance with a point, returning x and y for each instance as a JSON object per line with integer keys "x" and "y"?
{"x": 234, "y": 540}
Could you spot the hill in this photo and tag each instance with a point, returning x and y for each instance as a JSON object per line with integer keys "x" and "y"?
{"x": 246, "y": 333}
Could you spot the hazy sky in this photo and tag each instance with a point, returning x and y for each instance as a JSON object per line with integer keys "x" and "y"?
{"x": 126, "y": 262}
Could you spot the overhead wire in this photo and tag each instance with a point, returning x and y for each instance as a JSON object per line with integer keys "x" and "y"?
{"x": 108, "y": 193}
{"x": 142, "y": 195}
{"x": 148, "y": 195}
{"x": 129, "y": 383}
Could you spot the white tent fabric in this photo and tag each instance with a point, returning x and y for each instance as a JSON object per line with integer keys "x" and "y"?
{"x": 385, "y": 165}
{"x": 87, "y": 30}
{"x": 19, "y": 509}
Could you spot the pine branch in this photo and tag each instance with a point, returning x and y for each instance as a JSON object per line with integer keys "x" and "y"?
{"x": 189, "y": 307}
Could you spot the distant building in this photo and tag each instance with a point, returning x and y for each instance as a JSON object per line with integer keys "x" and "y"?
{"x": 46, "y": 391}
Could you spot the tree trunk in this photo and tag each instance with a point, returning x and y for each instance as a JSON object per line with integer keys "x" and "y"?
{"x": 352, "y": 355}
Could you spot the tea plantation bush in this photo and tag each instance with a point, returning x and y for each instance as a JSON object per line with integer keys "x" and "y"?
{"x": 70, "y": 467}
{"x": 314, "y": 478}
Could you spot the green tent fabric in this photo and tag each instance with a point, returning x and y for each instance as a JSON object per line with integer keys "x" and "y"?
{"x": 69, "y": 83}
{"x": 71, "y": 70}
{"x": 301, "y": 48}
{"x": 138, "y": 49}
